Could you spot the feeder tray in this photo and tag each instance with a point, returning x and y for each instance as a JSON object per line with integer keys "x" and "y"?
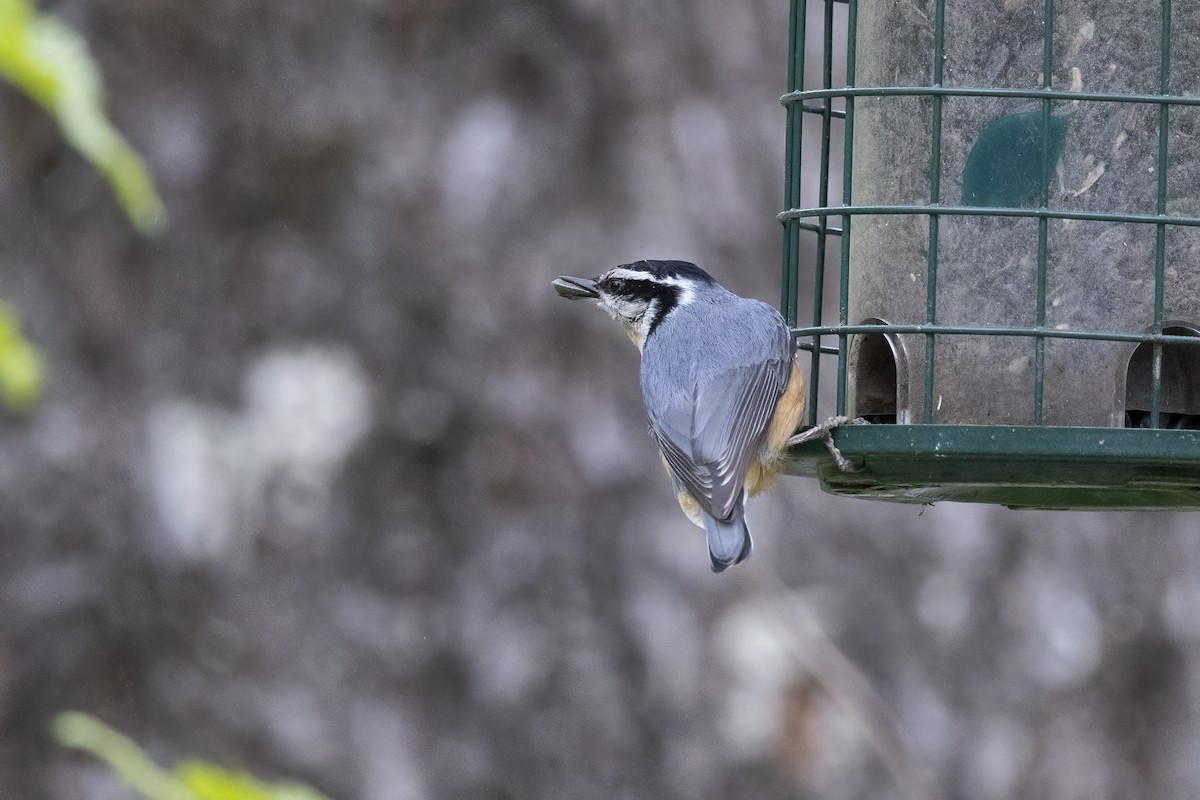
{"x": 1016, "y": 466}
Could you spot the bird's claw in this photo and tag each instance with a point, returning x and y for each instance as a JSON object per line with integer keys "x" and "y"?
{"x": 824, "y": 431}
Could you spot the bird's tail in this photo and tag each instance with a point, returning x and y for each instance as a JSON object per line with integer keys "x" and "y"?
{"x": 729, "y": 540}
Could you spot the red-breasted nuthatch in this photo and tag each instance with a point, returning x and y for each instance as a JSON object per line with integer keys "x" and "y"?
{"x": 720, "y": 382}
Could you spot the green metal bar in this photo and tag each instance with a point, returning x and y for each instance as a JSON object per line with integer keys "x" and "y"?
{"x": 791, "y": 237}
{"x": 1043, "y": 254}
{"x": 1156, "y": 384}
{"x": 814, "y": 375}
{"x": 983, "y": 330}
{"x": 847, "y": 201}
{"x": 982, "y": 211}
{"x": 832, "y": 230}
{"x": 935, "y": 198}
{"x": 791, "y": 165}
{"x": 800, "y": 30}
{"x": 1039, "y": 343}
{"x": 979, "y": 91}
{"x": 836, "y": 113}
{"x": 822, "y": 226}
{"x": 1160, "y": 232}
{"x": 823, "y": 349}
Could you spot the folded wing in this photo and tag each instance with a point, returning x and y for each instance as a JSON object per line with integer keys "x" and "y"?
{"x": 711, "y": 436}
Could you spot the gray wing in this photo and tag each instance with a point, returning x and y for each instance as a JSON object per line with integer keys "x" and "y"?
{"x": 712, "y": 436}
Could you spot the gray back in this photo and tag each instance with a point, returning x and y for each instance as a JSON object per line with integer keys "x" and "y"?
{"x": 711, "y": 375}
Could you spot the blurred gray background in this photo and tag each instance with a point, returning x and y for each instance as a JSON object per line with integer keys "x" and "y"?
{"x": 328, "y": 484}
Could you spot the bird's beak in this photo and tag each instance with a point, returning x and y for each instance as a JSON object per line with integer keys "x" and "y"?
{"x": 575, "y": 288}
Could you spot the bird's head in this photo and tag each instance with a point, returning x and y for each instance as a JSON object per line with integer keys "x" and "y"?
{"x": 640, "y": 295}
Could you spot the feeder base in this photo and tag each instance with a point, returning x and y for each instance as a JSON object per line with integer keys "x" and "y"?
{"x": 1015, "y": 466}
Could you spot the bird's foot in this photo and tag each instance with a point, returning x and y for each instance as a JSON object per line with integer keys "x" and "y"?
{"x": 824, "y": 431}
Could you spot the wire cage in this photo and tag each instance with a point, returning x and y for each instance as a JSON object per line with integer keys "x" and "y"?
{"x": 1018, "y": 290}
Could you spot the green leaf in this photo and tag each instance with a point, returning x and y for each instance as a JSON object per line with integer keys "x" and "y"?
{"x": 48, "y": 61}
{"x": 192, "y": 780}
{"x": 122, "y": 755}
{"x": 22, "y": 370}
{"x": 1005, "y": 166}
{"x": 209, "y": 782}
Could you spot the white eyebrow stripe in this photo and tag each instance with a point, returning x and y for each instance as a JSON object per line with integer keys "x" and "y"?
{"x": 630, "y": 274}
{"x": 686, "y": 286}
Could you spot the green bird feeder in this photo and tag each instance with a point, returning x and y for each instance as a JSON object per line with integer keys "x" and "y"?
{"x": 1013, "y": 187}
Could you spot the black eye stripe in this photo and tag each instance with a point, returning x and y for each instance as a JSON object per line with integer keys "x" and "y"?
{"x": 634, "y": 287}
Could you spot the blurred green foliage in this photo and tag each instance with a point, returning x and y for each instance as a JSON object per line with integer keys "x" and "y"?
{"x": 48, "y": 61}
{"x": 190, "y": 780}
{"x": 21, "y": 366}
